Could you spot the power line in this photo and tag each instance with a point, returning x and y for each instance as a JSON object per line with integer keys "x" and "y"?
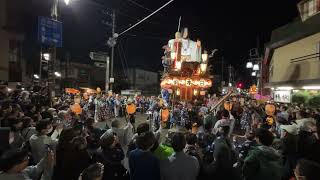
{"x": 146, "y": 18}
{"x": 146, "y": 37}
{"x": 123, "y": 66}
{"x": 141, "y": 6}
{"x": 125, "y": 59}
{"x": 136, "y": 19}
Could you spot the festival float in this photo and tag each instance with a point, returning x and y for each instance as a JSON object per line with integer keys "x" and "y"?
{"x": 185, "y": 74}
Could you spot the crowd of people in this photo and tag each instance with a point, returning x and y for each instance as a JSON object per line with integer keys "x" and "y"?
{"x": 44, "y": 139}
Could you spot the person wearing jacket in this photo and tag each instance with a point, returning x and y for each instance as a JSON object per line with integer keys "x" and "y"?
{"x": 263, "y": 162}
{"x": 131, "y": 111}
{"x": 223, "y": 157}
{"x": 14, "y": 166}
{"x": 110, "y": 155}
{"x": 179, "y": 165}
{"x": 289, "y": 148}
{"x": 41, "y": 141}
{"x": 143, "y": 165}
{"x": 123, "y": 134}
{"x": 73, "y": 160}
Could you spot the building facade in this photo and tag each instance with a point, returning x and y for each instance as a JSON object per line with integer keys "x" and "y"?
{"x": 12, "y": 62}
{"x": 292, "y": 60}
{"x": 146, "y": 81}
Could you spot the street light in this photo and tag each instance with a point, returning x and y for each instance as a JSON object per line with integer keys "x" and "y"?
{"x": 57, "y": 74}
{"x": 256, "y": 67}
{"x": 36, "y": 76}
{"x": 249, "y": 65}
{"x": 46, "y": 56}
{"x": 253, "y": 73}
{"x": 67, "y": 2}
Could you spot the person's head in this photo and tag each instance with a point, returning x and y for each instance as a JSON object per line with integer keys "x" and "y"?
{"x": 307, "y": 170}
{"x": 27, "y": 122}
{"x": 44, "y": 126}
{"x": 79, "y": 143}
{"x": 90, "y": 122}
{"x": 15, "y": 124}
{"x": 31, "y": 108}
{"x": 52, "y": 112}
{"x": 283, "y": 108}
{"x": 145, "y": 141}
{"x": 143, "y": 127}
{"x": 93, "y": 172}
{"x": 115, "y": 123}
{"x": 178, "y": 142}
{"x": 301, "y": 114}
{"x": 6, "y": 106}
{"x": 223, "y": 131}
{"x": 66, "y": 137}
{"x": 108, "y": 142}
{"x": 249, "y": 135}
{"x": 63, "y": 115}
{"x": 288, "y": 130}
{"x": 14, "y": 161}
{"x": 225, "y": 114}
{"x": 191, "y": 139}
{"x": 264, "y": 137}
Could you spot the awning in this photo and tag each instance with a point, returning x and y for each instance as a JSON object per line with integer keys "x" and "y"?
{"x": 294, "y": 84}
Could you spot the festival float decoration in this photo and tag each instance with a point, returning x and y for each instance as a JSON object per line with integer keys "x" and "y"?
{"x": 185, "y": 68}
{"x": 72, "y": 91}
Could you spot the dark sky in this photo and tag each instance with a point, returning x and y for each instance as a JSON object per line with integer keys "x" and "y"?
{"x": 231, "y": 26}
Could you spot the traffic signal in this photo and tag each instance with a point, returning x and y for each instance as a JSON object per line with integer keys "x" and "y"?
{"x": 240, "y": 85}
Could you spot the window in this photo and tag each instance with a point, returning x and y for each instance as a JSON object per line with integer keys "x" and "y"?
{"x": 308, "y": 8}
{"x": 15, "y": 51}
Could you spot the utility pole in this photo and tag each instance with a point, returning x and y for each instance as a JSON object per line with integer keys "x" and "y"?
{"x": 66, "y": 76}
{"x": 107, "y": 73}
{"x": 112, "y": 47}
{"x": 230, "y": 74}
{"x": 222, "y": 59}
{"x": 51, "y": 62}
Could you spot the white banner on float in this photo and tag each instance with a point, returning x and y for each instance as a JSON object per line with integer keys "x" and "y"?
{"x": 282, "y": 96}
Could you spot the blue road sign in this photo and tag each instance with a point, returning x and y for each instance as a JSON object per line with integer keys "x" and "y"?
{"x": 49, "y": 31}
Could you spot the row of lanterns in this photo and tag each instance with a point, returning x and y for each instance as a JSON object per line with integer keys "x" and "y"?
{"x": 195, "y": 92}
{"x": 204, "y": 56}
{"x": 187, "y": 82}
{"x": 203, "y": 64}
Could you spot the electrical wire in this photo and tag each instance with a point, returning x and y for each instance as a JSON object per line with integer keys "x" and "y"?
{"x": 123, "y": 66}
{"x": 125, "y": 59}
{"x": 139, "y": 5}
{"x": 166, "y": 4}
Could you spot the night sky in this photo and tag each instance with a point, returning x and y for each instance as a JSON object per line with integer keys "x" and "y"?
{"x": 233, "y": 27}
